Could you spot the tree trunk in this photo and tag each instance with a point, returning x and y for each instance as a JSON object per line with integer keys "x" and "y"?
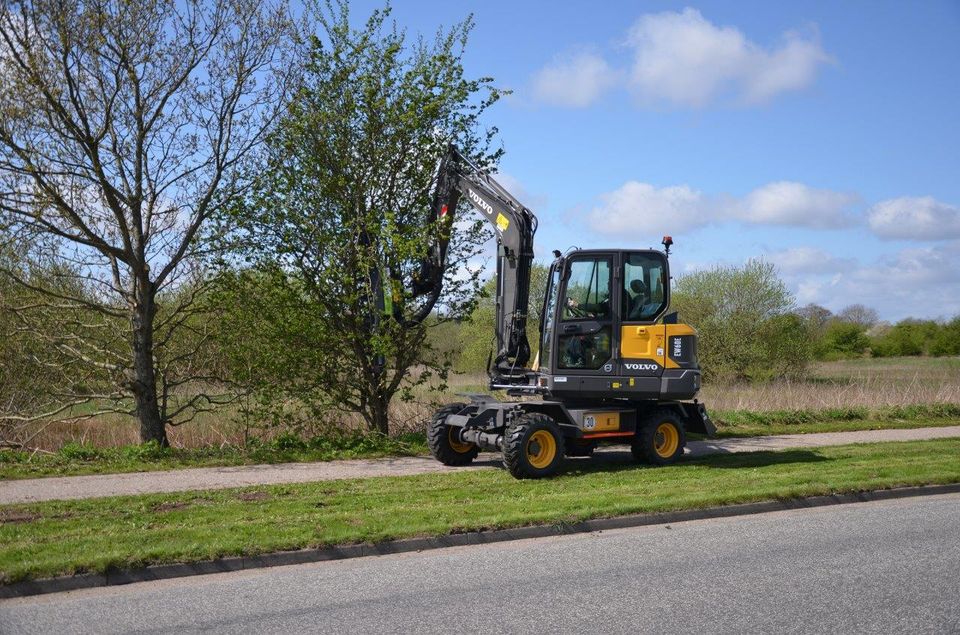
{"x": 144, "y": 385}
{"x": 380, "y": 416}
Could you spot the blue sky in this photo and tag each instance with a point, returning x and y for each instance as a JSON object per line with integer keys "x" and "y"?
{"x": 821, "y": 136}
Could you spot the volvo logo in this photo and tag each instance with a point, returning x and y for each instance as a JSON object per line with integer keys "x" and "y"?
{"x": 479, "y": 202}
{"x": 642, "y": 366}
{"x": 608, "y": 368}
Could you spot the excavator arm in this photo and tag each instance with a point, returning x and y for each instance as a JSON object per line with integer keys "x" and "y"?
{"x": 514, "y": 226}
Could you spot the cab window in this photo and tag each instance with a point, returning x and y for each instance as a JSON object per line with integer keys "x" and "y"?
{"x": 553, "y": 291}
{"x": 588, "y": 290}
{"x": 644, "y": 287}
{"x": 586, "y": 309}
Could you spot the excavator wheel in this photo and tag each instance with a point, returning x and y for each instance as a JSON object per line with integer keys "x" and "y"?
{"x": 533, "y": 446}
{"x": 660, "y": 439}
{"x": 445, "y": 444}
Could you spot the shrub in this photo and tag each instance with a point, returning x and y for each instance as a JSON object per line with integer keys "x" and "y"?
{"x": 79, "y": 452}
{"x": 843, "y": 339}
{"x": 149, "y": 451}
{"x": 947, "y": 339}
{"x": 288, "y": 442}
{"x": 743, "y": 317}
{"x": 908, "y": 337}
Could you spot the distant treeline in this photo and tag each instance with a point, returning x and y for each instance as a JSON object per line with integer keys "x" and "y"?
{"x": 838, "y": 337}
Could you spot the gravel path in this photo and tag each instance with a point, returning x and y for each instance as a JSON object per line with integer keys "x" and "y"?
{"x": 74, "y": 487}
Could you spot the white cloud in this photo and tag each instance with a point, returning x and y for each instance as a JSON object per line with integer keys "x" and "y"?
{"x": 809, "y": 291}
{"x": 641, "y": 207}
{"x": 520, "y": 192}
{"x": 791, "y": 203}
{"x": 915, "y": 218}
{"x": 808, "y": 260}
{"x": 683, "y": 59}
{"x": 918, "y": 282}
{"x": 574, "y": 81}
{"x": 636, "y": 205}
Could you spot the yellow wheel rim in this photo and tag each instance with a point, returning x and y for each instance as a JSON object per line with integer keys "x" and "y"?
{"x": 453, "y": 438}
{"x": 666, "y": 440}
{"x": 541, "y": 449}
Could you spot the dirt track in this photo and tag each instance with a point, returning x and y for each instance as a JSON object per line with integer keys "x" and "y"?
{"x": 74, "y": 487}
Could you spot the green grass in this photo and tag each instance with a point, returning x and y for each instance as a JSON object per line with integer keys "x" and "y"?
{"x": 745, "y": 423}
{"x": 67, "y": 537}
{"x": 76, "y": 459}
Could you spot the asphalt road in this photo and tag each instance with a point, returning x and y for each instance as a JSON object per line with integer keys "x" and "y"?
{"x": 883, "y": 567}
{"x": 94, "y": 486}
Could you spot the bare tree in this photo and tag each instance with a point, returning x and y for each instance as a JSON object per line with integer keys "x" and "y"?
{"x": 125, "y": 127}
{"x": 860, "y": 315}
{"x": 815, "y": 315}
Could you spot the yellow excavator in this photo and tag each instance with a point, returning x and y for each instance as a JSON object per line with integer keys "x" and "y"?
{"x": 614, "y": 365}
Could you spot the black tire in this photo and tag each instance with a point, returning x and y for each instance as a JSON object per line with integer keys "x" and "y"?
{"x": 660, "y": 439}
{"x": 533, "y": 446}
{"x": 443, "y": 446}
{"x": 580, "y": 449}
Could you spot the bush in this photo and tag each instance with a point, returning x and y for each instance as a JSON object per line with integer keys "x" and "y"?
{"x": 909, "y": 337}
{"x": 149, "y": 451}
{"x": 288, "y": 441}
{"x": 947, "y": 339}
{"x": 843, "y": 340}
{"x": 79, "y": 452}
{"x": 784, "y": 348}
{"x": 743, "y": 317}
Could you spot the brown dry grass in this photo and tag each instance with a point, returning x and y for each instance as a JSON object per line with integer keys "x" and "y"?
{"x": 863, "y": 382}
{"x": 849, "y": 383}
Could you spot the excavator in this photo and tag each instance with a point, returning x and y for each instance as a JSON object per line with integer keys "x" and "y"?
{"x": 614, "y": 365}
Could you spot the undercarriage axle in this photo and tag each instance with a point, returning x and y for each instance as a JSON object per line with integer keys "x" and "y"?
{"x": 485, "y": 440}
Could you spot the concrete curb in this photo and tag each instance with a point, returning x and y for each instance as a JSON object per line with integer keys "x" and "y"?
{"x": 303, "y": 556}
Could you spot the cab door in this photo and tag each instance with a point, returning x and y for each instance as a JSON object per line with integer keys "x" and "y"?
{"x": 644, "y": 298}
{"x": 585, "y": 337}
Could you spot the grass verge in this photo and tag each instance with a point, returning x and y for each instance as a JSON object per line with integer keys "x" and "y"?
{"x": 745, "y": 423}
{"x": 67, "y": 537}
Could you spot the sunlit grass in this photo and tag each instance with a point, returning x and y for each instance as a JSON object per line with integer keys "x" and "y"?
{"x": 67, "y": 537}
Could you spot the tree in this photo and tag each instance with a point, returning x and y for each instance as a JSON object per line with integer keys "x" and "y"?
{"x": 815, "y": 316}
{"x": 860, "y": 315}
{"x": 124, "y": 127}
{"x": 785, "y": 348}
{"x": 338, "y": 219}
{"x": 740, "y": 313}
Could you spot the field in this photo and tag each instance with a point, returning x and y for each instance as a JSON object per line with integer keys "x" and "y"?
{"x": 859, "y": 383}
{"x": 869, "y": 383}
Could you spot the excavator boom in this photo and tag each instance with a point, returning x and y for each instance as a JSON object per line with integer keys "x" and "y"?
{"x": 514, "y": 226}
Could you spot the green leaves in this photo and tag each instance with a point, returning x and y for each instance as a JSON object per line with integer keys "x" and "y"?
{"x": 742, "y": 316}
{"x": 337, "y": 226}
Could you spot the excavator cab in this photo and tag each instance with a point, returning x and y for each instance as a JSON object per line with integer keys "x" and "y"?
{"x": 602, "y": 332}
